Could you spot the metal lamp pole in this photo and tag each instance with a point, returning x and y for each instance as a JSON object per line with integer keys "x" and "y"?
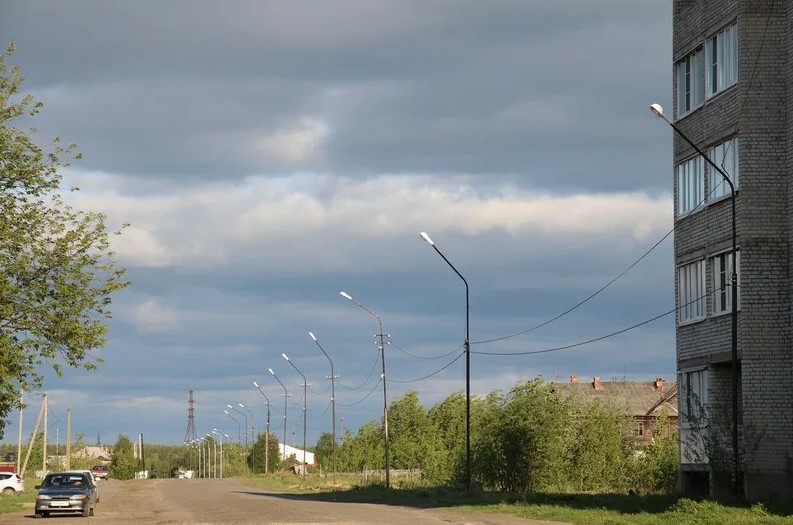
{"x": 246, "y": 422}
{"x": 305, "y": 386}
{"x": 215, "y": 460}
{"x": 658, "y": 111}
{"x": 220, "y": 435}
{"x": 266, "y": 430}
{"x": 332, "y": 402}
{"x": 467, "y": 366}
{"x": 253, "y": 435}
{"x": 385, "y": 397}
{"x": 286, "y": 397}
{"x": 239, "y": 434}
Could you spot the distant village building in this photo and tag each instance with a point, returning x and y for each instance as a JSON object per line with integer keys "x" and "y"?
{"x": 643, "y": 401}
{"x": 286, "y": 451}
{"x": 101, "y": 453}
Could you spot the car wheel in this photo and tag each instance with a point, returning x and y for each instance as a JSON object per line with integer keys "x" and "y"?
{"x": 92, "y": 512}
{"x": 8, "y": 490}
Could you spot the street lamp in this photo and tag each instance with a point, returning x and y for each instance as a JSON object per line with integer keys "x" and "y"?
{"x": 286, "y": 397}
{"x": 266, "y": 430}
{"x": 658, "y": 111}
{"x": 385, "y": 398}
{"x": 305, "y": 386}
{"x": 239, "y": 434}
{"x": 246, "y": 421}
{"x": 332, "y": 401}
{"x": 253, "y": 422}
{"x": 220, "y": 434}
{"x": 215, "y": 461}
{"x": 467, "y": 367}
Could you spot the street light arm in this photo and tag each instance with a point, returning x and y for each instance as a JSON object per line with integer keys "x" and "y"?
{"x": 362, "y": 307}
{"x": 658, "y": 111}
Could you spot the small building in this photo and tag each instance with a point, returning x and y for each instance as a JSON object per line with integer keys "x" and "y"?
{"x": 101, "y": 454}
{"x": 286, "y": 451}
{"x": 643, "y": 401}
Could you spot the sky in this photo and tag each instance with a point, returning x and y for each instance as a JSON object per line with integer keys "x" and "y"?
{"x": 270, "y": 154}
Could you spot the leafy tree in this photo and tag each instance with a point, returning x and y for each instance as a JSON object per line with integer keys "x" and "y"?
{"x": 124, "y": 464}
{"x": 324, "y": 452}
{"x": 448, "y": 416}
{"x": 414, "y": 438}
{"x": 57, "y": 272}
{"x": 257, "y": 451}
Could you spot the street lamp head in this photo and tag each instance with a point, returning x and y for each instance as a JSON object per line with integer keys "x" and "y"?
{"x": 285, "y": 357}
{"x": 657, "y": 110}
{"x": 271, "y": 371}
{"x": 256, "y": 384}
{"x": 226, "y": 412}
{"x": 427, "y": 238}
{"x": 241, "y": 405}
{"x": 229, "y": 406}
{"x": 346, "y": 295}
{"x": 311, "y": 334}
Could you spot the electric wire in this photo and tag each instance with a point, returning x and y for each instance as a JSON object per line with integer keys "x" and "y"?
{"x": 602, "y": 337}
{"x": 602, "y": 288}
{"x": 323, "y": 412}
{"x": 364, "y": 397}
{"x": 374, "y": 365}
{"x": 447, "y": 365}
{"x": 424, "y": 357}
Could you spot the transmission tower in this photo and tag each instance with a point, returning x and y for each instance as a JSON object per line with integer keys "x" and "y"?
{"x": 190, "y": 434}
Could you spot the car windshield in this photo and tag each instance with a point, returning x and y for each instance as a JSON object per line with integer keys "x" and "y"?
{"x": 64, "y": 480}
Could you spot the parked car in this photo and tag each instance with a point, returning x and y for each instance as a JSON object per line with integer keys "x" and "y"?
{"x": 10, "y": 483}
{"x": 100, "y": 471}
{"x": 65, "y": 492}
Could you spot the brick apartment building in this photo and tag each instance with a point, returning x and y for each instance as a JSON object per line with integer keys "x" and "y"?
{"x": 732, "y": 71}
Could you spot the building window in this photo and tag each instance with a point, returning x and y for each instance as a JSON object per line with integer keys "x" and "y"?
{"x": 725, "y": 156}
{"x": 691, "y": 295}
{"x": 722, "y": 60}
{"x": 722, "y": 277}
{"x": 690, "y": 86}
{"x": 690, "y": 185}
{"x": 639, "y": 430}
{"x": 693, "y": 402}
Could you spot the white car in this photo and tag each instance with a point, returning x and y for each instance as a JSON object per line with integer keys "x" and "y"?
{"x": 11, "y": 483}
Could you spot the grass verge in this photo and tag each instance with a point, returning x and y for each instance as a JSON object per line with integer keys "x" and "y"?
{"x": 584, "y": 509}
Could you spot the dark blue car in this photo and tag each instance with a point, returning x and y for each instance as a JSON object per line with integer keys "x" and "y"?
{"x": 61, "y": 492}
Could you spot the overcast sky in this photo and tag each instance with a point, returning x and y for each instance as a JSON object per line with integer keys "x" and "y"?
{"x": 271, "y": 154}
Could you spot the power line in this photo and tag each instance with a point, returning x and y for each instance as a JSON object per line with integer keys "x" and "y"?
{"x": 447, "y": 365}
{"x": 374, "y": 365}
{"x": 602, "y": 337}
{"x": 425, "y": 357}
{"x": 364, "y": 397}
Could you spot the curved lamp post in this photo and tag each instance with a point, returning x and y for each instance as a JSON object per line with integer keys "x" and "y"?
{"x": 220, "y": 435}
{"x": 385, "y": 397}
{"x": 266, "y": 430}
{"x": 332, "y": 401}
{"x": 467, "y": 366}
{"x": 246, "y": 421}
{"x": 253, "y": 435}
{"x": 215, "y": 460}
{"x": 305, "y": 386}
{"x": 286, "y": 397}
{"x": 658, "y": 111}
{"x": 239, "y": 434}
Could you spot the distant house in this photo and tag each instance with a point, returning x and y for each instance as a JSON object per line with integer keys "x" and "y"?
{"x": 102, "y": 454}
{"x": 643, "y": 401}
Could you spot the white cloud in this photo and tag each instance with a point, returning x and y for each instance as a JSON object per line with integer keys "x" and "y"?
{"x": 152, "y": 317}
{"x": 299, "y": 145}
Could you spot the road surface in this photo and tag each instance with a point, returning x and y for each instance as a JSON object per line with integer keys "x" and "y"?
{"x": 226, "y": 501}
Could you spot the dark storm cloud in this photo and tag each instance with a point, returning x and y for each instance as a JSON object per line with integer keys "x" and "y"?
{"x": 549, "y": 93}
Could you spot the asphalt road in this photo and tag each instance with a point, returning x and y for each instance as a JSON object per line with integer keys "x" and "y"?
{"x": 226, "y": 501}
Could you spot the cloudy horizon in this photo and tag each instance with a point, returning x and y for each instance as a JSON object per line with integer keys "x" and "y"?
{"x": 268, "y": 155}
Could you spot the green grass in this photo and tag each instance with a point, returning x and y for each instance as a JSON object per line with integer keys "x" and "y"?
{"x": 585, "y": 509}
{"x": 16, "y": 502}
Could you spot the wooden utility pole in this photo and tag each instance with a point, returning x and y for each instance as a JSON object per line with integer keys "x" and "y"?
{"x": 32, "y": 439}
{"x": 69, "y": 438}
{"x": 44, "y": 441}
{"x": 19, "y": 440}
